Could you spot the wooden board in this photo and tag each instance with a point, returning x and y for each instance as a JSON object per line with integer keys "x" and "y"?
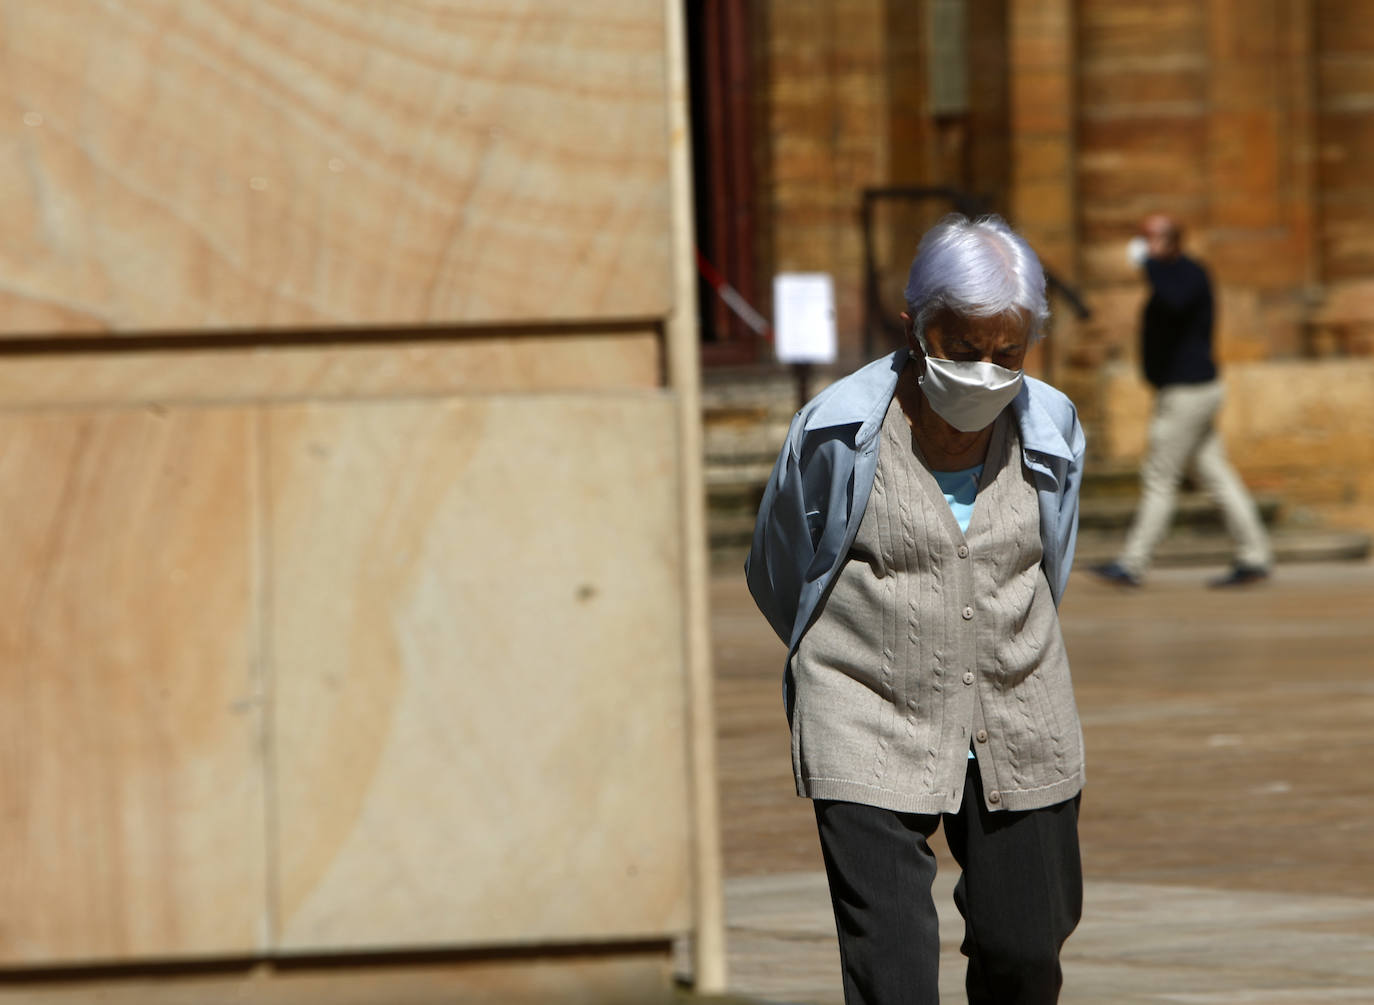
{"x": 479, "y": 733}
{"x": 313, "y": 162}
{"x": 630, "y": 975}
{"x": 131, "y": 806}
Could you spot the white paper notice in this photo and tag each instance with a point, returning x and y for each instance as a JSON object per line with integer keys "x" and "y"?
{"x": 804, "y": 317}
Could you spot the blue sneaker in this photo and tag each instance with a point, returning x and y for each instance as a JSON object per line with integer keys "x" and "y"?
{"x": 1114, "y": 572}
{"x": 1240, "y": 575}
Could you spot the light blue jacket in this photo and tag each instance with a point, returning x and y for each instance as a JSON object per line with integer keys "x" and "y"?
{"x": 816, "y": 495}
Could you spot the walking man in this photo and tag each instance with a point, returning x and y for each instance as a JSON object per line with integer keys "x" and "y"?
{"x": 1176, "y": 353}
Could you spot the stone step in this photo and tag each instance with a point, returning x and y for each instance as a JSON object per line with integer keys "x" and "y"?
{"x": 1181, "y": 548}
{"x": 731, "y": 530}
{"x": 1193, "y": 510}
{"x": 736, "y": 529}
{"x": 1110, "y": 478}
{"x": 746, "y": 415}
{"x": 1190, "y": 548}
{"x": 732, "y": 446}
{"x": 737, "y": 477}
{"x": 739, "y": 452}
{"x": 734, "y": 489}
{"x": 744, "y": 444}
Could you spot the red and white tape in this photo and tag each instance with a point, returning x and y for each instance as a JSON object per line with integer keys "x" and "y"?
{"x": 733, "y": 298}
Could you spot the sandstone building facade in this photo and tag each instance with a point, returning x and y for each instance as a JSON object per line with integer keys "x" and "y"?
{"x": 1252, "y": 122}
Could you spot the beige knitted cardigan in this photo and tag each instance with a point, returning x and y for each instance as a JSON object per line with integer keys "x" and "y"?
{"x": 931, "y": 641}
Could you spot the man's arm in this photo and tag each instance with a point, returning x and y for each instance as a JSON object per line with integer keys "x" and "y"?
{"x": 1156, "y": 349}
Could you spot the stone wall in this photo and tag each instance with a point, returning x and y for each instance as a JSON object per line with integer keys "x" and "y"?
{"x": 1343, "y": 319}
{"x": 1302, "y": 429}
{"x": 1248, "y": 121}
{"x": 1202, "y": 111}
{"x": 843, "y": 102}
{"x": 826, "y": 106}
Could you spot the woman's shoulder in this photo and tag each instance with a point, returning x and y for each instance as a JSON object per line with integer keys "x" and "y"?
{"x": 1049, "y": 420}
{"x": 858, "y": 397}
{"x": 1049, "y": 397}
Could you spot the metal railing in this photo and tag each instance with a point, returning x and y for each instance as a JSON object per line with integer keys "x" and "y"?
{"x": 878, "y": 321}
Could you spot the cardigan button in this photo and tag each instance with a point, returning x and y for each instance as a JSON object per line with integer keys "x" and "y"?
{"x": 982, "y": 736}
{"x": 968, "y": 677}
{"x": 963, "y": 551}
{"x": 994, "y": 797}
{"x": 968, "y": 613}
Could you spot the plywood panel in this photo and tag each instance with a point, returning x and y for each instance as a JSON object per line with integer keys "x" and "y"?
{"x": 131, "y": 820}
{"x": 497, "y": 363}
{"x": 223, "y": 164}
{"x": 477, "y": 647}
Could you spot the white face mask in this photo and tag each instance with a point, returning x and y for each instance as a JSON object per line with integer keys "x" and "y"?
{"x": 968, "y": 394}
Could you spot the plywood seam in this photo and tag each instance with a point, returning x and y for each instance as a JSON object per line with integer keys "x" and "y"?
{"x": 589, "y": 394}
{"x": 210, "y": 338}
{"x": 682, "y": 365}
{"x": 271, "y": 923}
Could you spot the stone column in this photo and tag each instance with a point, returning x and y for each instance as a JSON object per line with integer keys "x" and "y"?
{"x": 1043, "y": 202}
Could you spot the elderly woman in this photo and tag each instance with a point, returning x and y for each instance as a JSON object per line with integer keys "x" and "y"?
{"x": 911, "y": 549}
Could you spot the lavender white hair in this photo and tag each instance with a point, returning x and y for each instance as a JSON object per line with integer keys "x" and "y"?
{"x": 976, "y": 268}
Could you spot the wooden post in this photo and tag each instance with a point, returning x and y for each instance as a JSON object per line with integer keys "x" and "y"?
{"x": 684, "y": 378}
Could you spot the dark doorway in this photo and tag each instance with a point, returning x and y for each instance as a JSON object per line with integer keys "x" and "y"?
{"x": 719, "y": 64}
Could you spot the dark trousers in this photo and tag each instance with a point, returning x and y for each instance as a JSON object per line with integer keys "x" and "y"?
{"x": 1020, "y": 892}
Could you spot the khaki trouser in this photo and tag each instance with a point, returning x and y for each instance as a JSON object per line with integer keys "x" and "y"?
{"x": 1182, "y": 434}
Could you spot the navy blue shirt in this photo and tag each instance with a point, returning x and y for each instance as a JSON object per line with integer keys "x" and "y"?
{"x": 1176, "y": 329}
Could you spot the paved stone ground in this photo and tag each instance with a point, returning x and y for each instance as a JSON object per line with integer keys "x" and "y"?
{"x": 1228, "y": 823}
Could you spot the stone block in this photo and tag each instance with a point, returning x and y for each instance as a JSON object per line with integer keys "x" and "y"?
{"x": 1041, "y": 101}
{"x": 1044, "y": 157}
{"x": 1179, "y": 138}
{"x": 1343, "y": 27}
{"x": 1347, "y": 248}
{"x": 1347, "y": 138}
{"x": 1344, "y": 85}
{"x": 1044, "y": 207}
{"x": 1107, "y": 88}
{"x": 1302, "y": 429}
{"x": 1141, "y": 30}
{"x": 1347, "y": 301}
{"x": 1258, "y": 259}
{"x": 1244, "y": 166}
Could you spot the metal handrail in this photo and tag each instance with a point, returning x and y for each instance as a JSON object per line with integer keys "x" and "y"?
{"x": 962, "y": 202}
